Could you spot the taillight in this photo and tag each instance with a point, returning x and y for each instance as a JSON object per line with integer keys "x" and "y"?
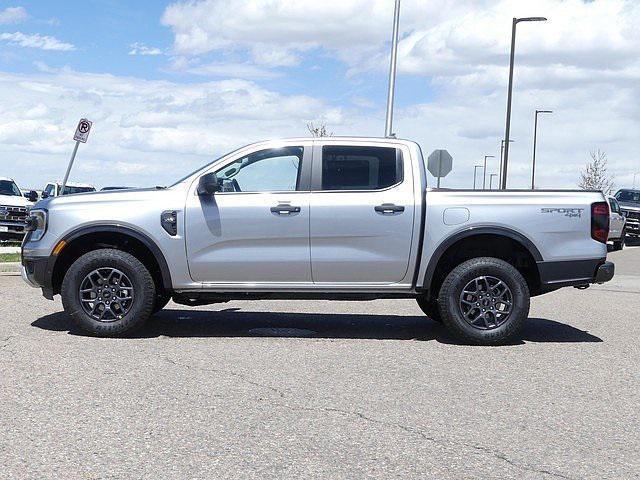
{"x": 600, "y": 221}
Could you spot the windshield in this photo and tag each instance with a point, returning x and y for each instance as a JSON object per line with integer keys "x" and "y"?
{"x": 205, "y": 166}
{"x": 71, "y": 190}
{"x": 9, "y": 188}
{"x": 628, "y": 196}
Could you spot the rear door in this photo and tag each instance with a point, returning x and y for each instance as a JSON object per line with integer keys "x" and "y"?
{"x": 362, "y": 214}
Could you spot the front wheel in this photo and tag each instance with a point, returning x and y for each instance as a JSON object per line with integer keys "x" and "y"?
{"x": 484, "y": 301}
{"x": 108, "y": 292}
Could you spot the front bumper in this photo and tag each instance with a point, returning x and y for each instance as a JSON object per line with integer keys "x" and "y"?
{"x": 38, "y": 273}
{"x": 14, "y": 230}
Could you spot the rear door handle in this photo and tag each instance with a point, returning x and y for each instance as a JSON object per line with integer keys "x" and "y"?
{"x": 387, "y": 208}
{"x": 285, "y": 209}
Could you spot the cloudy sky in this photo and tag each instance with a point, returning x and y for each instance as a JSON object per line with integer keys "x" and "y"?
{"x": 171, "y": 85}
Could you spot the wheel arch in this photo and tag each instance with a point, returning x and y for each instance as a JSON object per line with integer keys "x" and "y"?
{"x": 500, "y": 242}
{"x": 88, "y": 238}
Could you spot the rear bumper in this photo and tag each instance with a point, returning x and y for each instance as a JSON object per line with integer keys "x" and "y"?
{"x": 575, "y": 272}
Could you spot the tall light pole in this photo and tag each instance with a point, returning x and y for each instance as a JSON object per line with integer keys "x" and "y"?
{"x": 475, "y": 171}
{"x": 491, "y": 180}
{"x": 484, "y": 174}
{"x": 510, "y": 92}
{"x": 535, "y": 138}
{"x": 388, "y": 128}
{"x": 501, "y": 160}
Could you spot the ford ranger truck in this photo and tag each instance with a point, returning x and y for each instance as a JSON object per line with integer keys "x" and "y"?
{"x": 327, "y": 218}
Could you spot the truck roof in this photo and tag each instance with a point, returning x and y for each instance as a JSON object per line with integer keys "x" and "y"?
{"x": 6, "y": 179}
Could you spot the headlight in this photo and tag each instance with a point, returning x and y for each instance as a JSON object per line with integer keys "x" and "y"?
{"x": 37, "y": 224}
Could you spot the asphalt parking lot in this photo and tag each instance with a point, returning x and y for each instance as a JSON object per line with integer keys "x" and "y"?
{"x": 281, "y": 389}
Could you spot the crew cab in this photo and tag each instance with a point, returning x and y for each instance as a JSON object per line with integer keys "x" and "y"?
{"x": 326, "y": 218}
{"x": 14, "y": 208}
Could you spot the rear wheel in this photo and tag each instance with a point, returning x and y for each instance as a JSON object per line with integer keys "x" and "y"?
{"x": 484, "y": 301}
{"x": 108, "y": 292}
{"x": 619, "y": 244}
{"x": 430, "y": 308}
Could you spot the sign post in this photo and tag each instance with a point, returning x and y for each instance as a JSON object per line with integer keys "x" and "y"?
{"x": 440, "y": 164}
{"x": 81, "y": 135}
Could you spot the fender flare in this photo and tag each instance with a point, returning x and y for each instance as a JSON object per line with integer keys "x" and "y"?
{"x": 131, "y": 232}
{"x": 471, "y": 232}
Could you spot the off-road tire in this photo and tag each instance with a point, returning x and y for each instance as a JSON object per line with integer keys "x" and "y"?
{"x": 143, "y": 287}
{"x": 450, "y": 304}
{"x": 430, "y": 308}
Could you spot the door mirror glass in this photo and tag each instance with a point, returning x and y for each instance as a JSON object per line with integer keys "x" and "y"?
{"x": 208, "y": 184}
{"x": 32, "y": 196}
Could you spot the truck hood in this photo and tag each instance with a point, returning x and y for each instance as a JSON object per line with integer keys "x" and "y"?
{"x": 114, "y": 197}
{"x": 632, "y": 207}
{"x": 14, "y": 201}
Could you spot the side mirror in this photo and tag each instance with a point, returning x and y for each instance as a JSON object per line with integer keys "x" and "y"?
{"x": 45, "y": 195}
{"x": 32, "y": 196}
{"x": 209, "y": 184}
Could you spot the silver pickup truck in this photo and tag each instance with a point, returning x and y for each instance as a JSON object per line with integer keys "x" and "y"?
{"x": 328, "y": 218}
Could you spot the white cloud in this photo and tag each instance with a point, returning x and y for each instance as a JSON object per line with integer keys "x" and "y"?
{"x": 12, "y": 15}
{"x": 141, "y": 49}
{"x": 43, "y": 42}
{"x": 149, "y": 132}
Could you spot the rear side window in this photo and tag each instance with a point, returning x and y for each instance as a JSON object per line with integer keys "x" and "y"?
{"x": 360, "y": 168}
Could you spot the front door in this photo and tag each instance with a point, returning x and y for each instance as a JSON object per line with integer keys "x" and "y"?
{"x": 256, "y": 229}
{"x": 362, "y": 214}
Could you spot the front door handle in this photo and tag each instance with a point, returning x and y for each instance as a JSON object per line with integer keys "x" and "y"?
{"x": 387, "y": 208}
{"x": 285, "y": 209}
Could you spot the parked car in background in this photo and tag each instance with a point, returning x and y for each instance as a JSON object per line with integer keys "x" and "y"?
{"x": 617, "y": 222}
{"x": 331, "y": 218}
{"x": 53, "y": 189}
{"x": 629, "y": 201}
{"x": 14, "y": 208}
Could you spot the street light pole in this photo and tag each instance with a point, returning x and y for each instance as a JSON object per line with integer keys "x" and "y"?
{"x": 475, "y": 171}
{"x": 388, "y": 128}
{"x": 484, "y": 173}
{"x": 491, "y": 180}
{"x": 510, "y": 94}
{"x": 535, "y": 137}
{"x": 501, "y": 160}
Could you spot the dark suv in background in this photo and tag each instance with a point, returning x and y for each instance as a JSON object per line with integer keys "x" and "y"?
{"x": 629, "y": 201}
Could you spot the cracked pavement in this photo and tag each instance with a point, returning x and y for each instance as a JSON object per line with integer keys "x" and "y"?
{"x": 305, "y": 389}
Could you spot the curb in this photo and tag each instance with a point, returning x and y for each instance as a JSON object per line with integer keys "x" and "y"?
{"x": 10, "y": 268}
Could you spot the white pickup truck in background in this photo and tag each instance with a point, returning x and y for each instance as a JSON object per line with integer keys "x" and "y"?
{"x": 325, "y": 218}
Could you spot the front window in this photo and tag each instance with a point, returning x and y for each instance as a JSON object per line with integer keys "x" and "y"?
{"x": 9, "y": 188}
{"x": 271, "y": 170}
{"x": 629, "y": 196}
{"x": 360, "y": 168}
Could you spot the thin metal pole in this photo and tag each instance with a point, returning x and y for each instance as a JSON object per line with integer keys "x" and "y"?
{"x": 388, "y": 128}
{"x": 484, "y": 173}
{"x": 66, "y": 176}
{"x": 491, "y": 180}
{"x": 475, "y": 174}
{"x": 503, "y": 183}
{"x": 535, "y": 135}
